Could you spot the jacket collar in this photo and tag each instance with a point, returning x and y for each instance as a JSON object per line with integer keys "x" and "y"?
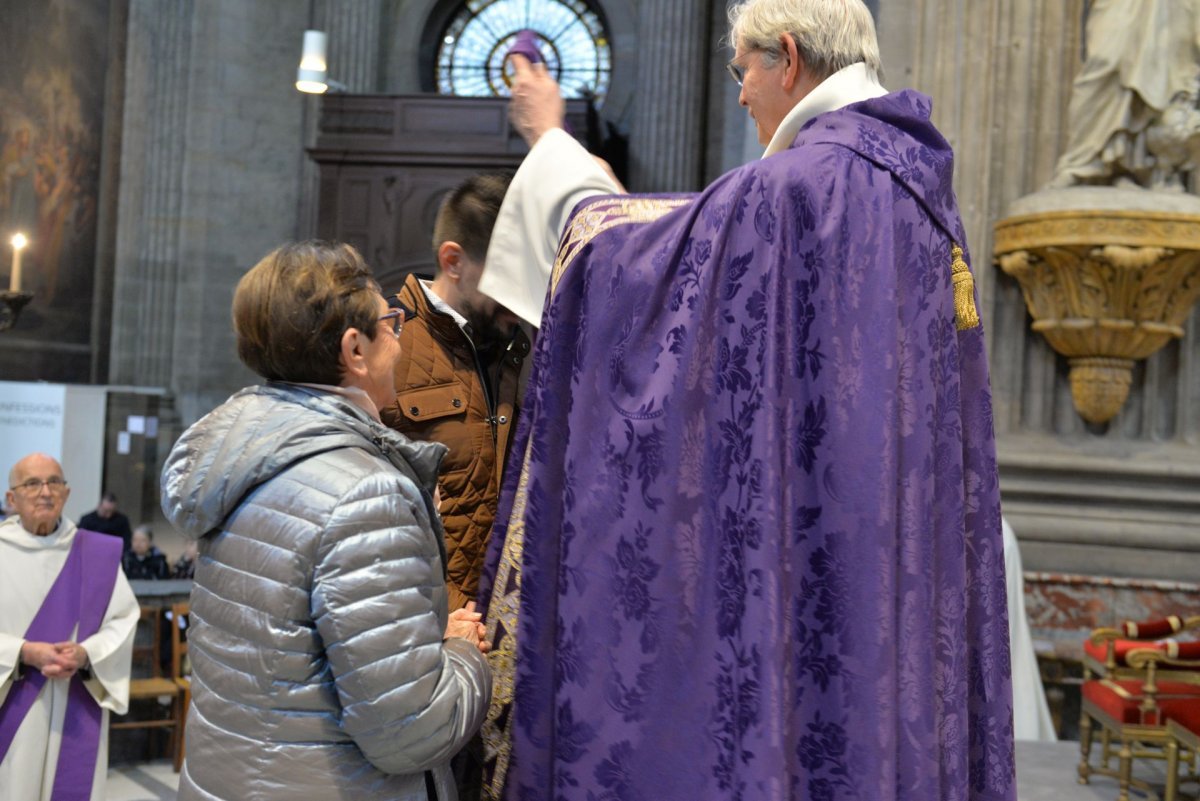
{"x": 440, "y": 323}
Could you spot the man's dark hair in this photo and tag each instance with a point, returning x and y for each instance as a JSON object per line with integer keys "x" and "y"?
{"x": 291, "y": 309}
{"x": 108, "y": 497}
{"x": 468, "y": 213}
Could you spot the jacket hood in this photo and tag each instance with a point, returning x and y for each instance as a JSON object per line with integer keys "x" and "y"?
{"x": 895, "y": 133}
{"x": 261, "y": 431}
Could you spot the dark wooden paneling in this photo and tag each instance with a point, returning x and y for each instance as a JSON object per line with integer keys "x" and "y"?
{"x": 386, "y": 162}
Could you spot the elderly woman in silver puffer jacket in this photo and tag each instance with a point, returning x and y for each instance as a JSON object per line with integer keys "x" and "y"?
{"x": 324, "y": 662}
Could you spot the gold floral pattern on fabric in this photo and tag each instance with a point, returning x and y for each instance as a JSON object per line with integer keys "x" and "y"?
{"x": 601, "y": 215}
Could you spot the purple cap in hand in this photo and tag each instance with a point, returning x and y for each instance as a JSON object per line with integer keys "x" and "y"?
{"x": 526, "y": 45}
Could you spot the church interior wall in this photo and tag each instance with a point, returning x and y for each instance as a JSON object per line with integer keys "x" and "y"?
{"x": 206, "y": 170}
{"x": 1108, "y": 516}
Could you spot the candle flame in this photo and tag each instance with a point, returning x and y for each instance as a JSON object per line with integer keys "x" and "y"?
{"x": 19, "y": 241}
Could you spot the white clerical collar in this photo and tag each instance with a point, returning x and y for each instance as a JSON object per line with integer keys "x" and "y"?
{"x": 440, "y": 305}
{"x": 848, "y": 85}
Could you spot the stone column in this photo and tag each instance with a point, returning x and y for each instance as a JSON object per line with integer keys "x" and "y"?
{"x": 355, "y": 37}
{"x": 210, "y": 166}
{"x": 150, "y": 197}
{"x": 667, "y": 134}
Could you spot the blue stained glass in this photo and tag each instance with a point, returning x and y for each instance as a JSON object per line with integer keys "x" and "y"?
{"x": 570, "y": 37}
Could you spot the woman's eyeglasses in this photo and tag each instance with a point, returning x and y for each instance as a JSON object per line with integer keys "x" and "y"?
{"x": 394, "y": 320}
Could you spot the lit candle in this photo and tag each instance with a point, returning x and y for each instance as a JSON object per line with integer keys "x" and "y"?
{"x": 18, "y": 243}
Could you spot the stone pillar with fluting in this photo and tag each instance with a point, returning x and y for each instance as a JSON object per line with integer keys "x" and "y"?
{"x": 210, "y": 158}
{"x": 666, "y": 139}
{"x": 148, "y": 254}
{"x": 354, "y": 29}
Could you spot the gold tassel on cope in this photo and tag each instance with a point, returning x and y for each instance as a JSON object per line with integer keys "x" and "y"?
{"x": 965, "y": 314}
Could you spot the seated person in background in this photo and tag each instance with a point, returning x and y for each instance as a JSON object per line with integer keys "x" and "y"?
{"x": 143, "y": 560}
{"x": 185, "y": 566}
{"x": 67, "y": 618}
{"x": 107, "y": 520}
{"x": 457, "y": 380}
{"x": 325, "y": 661}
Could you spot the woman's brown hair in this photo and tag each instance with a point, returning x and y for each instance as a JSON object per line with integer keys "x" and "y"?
{"x": 291, "y": 309}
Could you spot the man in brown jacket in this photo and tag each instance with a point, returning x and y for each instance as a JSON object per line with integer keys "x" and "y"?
{"x": 457, "y": 380}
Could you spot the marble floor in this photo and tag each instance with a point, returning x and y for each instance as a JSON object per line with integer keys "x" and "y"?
{"x": 1045, "y": 772}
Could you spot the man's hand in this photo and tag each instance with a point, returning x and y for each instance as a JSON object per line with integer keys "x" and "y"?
{"x": 537, "y": 105}
{"x": 39, "y": 656}
{"x": 54, "y": 660}
{"x": 465, "y": 623}
{"x": 71, "y": 657}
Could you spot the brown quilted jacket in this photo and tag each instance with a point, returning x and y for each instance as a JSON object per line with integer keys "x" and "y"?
{"x": 441, "y": 397}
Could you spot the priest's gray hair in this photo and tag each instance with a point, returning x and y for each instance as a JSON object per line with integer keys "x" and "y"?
{"x": 830, "y": 34}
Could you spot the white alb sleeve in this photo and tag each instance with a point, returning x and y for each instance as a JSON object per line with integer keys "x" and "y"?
{"x": 556, "y": 175}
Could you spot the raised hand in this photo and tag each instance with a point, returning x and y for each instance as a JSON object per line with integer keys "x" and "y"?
{"x": 537, "y": 105}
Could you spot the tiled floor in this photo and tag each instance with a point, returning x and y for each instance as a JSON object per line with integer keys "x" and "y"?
{"x": 1045, "y": 772}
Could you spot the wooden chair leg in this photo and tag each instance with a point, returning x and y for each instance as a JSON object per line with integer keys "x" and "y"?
{"x": 181, "y": 743}
{"x": 1085, "y": 747}
{"x": 1105, "y": 748}
{"x": 1172, "y": 771}
{"x": 1125, "y": 769}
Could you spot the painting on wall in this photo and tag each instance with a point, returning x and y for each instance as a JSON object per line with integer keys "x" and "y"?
{"x": 52, "y": 94}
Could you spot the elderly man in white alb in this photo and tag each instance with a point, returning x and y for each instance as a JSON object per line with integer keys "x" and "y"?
{"x": 67, "y": 619}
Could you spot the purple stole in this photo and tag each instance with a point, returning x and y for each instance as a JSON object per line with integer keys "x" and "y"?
{"x": 80, "y": 595}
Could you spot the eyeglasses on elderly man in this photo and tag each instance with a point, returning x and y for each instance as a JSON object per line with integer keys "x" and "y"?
{"x": 34, "y": 485}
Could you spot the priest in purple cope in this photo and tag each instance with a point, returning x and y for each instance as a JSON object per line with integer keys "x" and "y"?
{"x": 753, "y": 546}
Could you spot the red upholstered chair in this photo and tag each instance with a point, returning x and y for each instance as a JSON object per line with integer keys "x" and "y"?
{"x": 1181, "y": 666}
{"x": 1184, "y": 730}
{"x": 1105, "y": 651}
{"x": 1130, "y": 689}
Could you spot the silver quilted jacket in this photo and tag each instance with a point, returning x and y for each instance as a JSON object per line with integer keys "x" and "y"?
{"x": 319, "y": 606}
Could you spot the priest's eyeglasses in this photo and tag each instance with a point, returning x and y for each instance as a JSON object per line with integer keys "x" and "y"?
{"x": 737, "y": 71}
{"x": 34, "y": 486}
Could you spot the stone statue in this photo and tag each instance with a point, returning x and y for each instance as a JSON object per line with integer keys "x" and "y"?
{"x": 1133, "y": 113}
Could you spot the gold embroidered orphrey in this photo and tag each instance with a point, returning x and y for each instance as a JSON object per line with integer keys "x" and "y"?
{"x": 588, "y": 223}
{"x": 501, "y": 631}
{"x": 599, "y": 216}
